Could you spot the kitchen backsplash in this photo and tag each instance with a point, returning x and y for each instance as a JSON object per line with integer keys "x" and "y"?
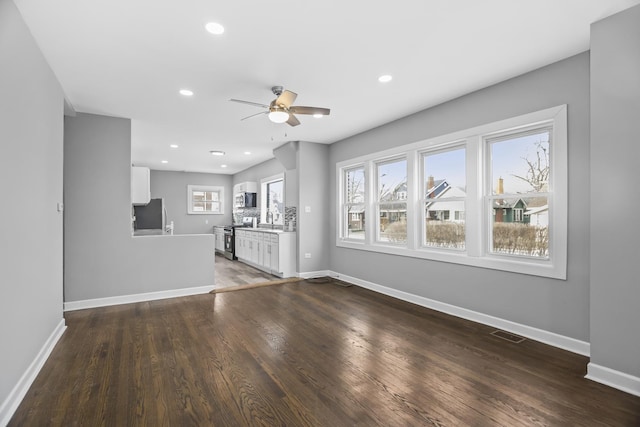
{"x": 290, "y": 216}
{"x": 246, "y": 213}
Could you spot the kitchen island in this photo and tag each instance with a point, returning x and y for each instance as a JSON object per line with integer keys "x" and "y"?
{"x": 148, "y": 266}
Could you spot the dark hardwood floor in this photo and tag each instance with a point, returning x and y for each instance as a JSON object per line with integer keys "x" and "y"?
{"x": 307, "y": 354}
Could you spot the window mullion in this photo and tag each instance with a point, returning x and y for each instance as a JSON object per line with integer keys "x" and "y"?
{"x": 371, "y": 223}
{"x": 413, "y": 213}
{"x": 474, "y": 202}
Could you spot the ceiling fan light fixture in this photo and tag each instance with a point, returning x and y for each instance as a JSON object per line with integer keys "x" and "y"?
{"x": 278, "y": 116}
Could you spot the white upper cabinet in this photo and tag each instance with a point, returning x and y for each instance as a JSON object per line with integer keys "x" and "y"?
{"x": 245, "y": 187}
{"x": 140, "y": 185}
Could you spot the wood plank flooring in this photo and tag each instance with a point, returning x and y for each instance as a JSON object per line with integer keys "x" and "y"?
{"x": 307, "y": 354}
{"x": 234, "y": 273}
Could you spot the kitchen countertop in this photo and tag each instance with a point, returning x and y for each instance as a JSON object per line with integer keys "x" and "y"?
{"x": 150, "y": 232}
{"x": 266, "y": 230}
{"x": 160, "y": 233}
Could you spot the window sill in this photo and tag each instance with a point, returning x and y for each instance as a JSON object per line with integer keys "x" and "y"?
{"x": 542, "y": 268}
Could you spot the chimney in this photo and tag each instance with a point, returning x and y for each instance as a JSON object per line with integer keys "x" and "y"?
{"x": 430, "y": 182}
{"x": 500, "y": 189}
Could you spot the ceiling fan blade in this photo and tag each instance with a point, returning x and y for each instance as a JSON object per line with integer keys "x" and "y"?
{"x": 254, "y": 115}
{"x": 293, "y": 120}
{"x": 309, "y": 110}
{"x": 286, "y": 99}
{"x": 255, "y": 104}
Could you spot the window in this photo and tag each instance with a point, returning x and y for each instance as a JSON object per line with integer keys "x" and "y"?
{"x": 205, "y": 200}
{"x": 354, "y": 202}
{"x": 272, "y": 200}
{"x": 519, "y": 167}
{"x": 517, "y": 215}
{"x": 494, "y": 196}
{"x": 443, "y": 177}
{"x": 391, "y": 177}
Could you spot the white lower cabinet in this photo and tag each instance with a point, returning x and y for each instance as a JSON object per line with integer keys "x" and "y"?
{"x": 273, "y": 252}
{"x": 219, "y": 233}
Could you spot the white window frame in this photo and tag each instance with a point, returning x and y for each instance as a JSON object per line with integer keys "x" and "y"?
{"x": 378, "y": 204}
{"x": 423, "y": 190}
{"x": 206, "y": 188}
{"x": 344, "y": 204}
{"x": 263, "y": 196}
{"x": 478, "y": 211}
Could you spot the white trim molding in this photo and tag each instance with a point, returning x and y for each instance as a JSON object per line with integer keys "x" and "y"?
{"x": 566, "y": 343}
{"x": 11, "y": 403}
{"x": 612, "y": 378}
{"x": 129, "y": 299}
{"x": 315, "y": 274}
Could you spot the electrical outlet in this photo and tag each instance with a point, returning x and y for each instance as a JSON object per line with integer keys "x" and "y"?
{"x": 307, "y": 255}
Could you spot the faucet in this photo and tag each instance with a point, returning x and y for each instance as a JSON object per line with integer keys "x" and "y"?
{"x": 269, "y": 217}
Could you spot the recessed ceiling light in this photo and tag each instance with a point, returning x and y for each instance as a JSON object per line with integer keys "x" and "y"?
{"x": 385, "y": 78}
{"x": 174, "y": 146}
{"x": 247, "y": 152}
{"x": 186, "y": 92}
{"x": 318, "y": 116}
{"x": 165, "y": 161}
{"x": 214, "y": 28}
{"x": 223, "y": 166}
{"x": 216, "y": 153}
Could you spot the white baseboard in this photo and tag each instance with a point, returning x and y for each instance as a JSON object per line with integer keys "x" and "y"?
{"x": 11, "y": 403}
{"x": 314, "y": 274}
{"x": 612, "y": 378}
{"x": 128, "y": 299}
{"x": 570, "y": 344}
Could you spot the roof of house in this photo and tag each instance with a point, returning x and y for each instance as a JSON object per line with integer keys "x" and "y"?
{"x": 508, "y": 203}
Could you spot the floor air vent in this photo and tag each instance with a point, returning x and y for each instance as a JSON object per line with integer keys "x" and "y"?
{"x": 324, "y": 279}
{"x": 517, "y": 339}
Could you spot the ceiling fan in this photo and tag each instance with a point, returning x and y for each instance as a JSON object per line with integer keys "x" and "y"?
{"x": 281, "y": 111}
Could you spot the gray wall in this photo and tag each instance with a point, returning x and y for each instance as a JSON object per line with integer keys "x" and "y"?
{"x": 615, "y": 153}
{"x": 552, "y": 305}
{"x": 31, "y": 109}
{"x": 172, "y": 186}
{"x": 102, "y": 259}
{"x": 287, "y": 156}
{"x": 313, "y": 172}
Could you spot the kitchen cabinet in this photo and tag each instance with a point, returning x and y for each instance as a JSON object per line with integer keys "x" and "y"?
{"x": 245, "y": 187}
{"x": 240, "y": 244}
{"x": 140, "y": 185}
{"x": 256, "y": 248}
{"x": 270, "y": 251}
{"x": 219, "y": 234}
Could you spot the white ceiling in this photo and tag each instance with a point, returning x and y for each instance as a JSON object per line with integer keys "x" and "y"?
{"x": 129, "y": 58}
